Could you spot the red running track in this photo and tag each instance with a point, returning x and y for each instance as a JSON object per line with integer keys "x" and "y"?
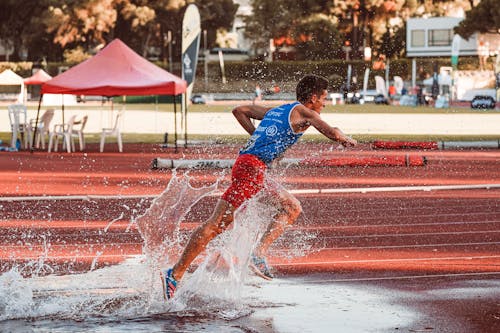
{"x": 431, "y": 249}
{"x": 448, "y": 231}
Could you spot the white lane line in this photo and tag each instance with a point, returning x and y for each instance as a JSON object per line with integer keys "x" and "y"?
{"x": 398, "y": 225}
{"x": 423, "y": 207}
{"x": 76, "y": 197}
{"x": 74, "y": 246}
{"x": 300, "y": 191}
{"x": 403, "y": 246}
{"x": 397, "y": 189}
{"x": 407, "y": 277}
{"x": 396, "y": 260}
{"x": 76, "y": 291}
{"x": 73, "y": 258}
{"x": 454, "y": 233}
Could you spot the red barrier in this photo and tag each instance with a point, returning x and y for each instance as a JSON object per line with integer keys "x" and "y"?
{"x": 398, "y": 160}
{"x": 430, "y": 145}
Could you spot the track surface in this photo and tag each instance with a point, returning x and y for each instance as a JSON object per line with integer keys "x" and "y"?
{"x": 414, "y": 241}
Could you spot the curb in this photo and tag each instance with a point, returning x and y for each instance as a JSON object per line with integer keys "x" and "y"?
{"x": 433, "y": 145}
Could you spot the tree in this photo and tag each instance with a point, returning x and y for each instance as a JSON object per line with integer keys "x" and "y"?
{"x": 22, "y": 26}
{"x": 216, "y": 14}
{"x": 307, "y": 24}
{"x": 85, "y": 23}
{"x": 318, "y": 38}
{"x": 365, "y": 21}
{"x": 393, "y": 43}
{"x": 483, "y": 18}
{"x": 270, "y": 19}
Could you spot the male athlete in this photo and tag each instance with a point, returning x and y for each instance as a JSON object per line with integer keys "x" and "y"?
{"x": 280, "y": 128}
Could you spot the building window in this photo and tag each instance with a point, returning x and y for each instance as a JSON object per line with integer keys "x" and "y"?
{"x": 418, "y": 38}
{"x": 440, "y": 37}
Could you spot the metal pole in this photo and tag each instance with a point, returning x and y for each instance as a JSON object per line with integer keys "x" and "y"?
{"x": 414, "y": 72}
{"x": 62, "y": 107}
{"x": 170, "y": 65}
{"x": 185, "y": 122}
{"x": 175, "y": 122}
{"x": 206, "y": 53}
{"x": 36, "y": 124}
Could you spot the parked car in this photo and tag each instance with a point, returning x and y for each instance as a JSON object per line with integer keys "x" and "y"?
{"x": 483, "y": 102}
{"x": 198, "y": 99}
{"x": 380, "y": 99}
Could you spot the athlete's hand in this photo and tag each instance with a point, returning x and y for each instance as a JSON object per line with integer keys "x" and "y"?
{"x": 349, "y": 142}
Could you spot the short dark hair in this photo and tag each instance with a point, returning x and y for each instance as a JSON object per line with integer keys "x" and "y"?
{"x": 309, "y": 85}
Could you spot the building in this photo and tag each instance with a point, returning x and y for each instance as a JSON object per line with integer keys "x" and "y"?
{"x": 433, "y": 37}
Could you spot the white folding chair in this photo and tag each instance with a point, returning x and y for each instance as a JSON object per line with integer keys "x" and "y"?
{"x": 62, "y": 131}
{"x": 77, "y": 132}
{"x": 18, "y": 125}
{"x": 115, "y": 131}
{"x": 43, "y": 128}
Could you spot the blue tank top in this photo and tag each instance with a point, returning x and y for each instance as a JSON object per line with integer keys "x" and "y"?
{"x": 274, "y": 135}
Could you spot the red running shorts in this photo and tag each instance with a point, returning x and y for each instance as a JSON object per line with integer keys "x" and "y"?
{"x": 247, "y": 179}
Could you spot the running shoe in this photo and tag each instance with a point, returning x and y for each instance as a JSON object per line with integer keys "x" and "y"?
{"x": 259, "y": 266}
{"x": 169, "y": 284}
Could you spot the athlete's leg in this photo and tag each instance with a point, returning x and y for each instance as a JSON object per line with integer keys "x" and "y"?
{"x": 221, "y": 218}
{"x": 288, "y": 211}
{"x": 247, "y": 179}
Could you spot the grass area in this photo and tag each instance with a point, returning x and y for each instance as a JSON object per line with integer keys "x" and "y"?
{"x": 240, "y": 139}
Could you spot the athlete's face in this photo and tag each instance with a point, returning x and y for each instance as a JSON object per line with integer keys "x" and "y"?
{"x": 318, "y": 102}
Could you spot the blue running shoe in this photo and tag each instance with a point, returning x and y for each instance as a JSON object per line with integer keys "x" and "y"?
{"x": 169, "y": 283}
{"x": 259, "y": 266}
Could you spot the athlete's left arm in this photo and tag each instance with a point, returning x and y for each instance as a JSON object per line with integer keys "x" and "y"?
{"x": 333, "y": 133}
{"x": 245, "y": 113}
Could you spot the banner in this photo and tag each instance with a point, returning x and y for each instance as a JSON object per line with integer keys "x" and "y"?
{"x": 455, "y": 50}
{"x": 191, "y": 32}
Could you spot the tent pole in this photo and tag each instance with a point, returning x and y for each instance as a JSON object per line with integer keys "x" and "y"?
{"x": 175, "y": 122}
{"x": 36, "y": 124}
{"x": 62, "y": 107}
{"x": 185, "y": 121}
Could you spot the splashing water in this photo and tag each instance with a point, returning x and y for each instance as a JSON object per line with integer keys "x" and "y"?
{"x": 132, "y": 288}
{"x": 159, "y": 225}
{"x": 129, "y": 289}
{"x": 217, "y": 283}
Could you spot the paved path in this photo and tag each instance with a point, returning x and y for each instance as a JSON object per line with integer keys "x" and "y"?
{"x": 217, "y": 123}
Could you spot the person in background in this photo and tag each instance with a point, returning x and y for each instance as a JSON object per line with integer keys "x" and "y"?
{"x": 257, "y": 94}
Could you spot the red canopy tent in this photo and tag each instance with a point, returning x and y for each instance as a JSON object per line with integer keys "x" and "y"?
{"x": 116, "y": 71}
{"x": 40, "y": 77}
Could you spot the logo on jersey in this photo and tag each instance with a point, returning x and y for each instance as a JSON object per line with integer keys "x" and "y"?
{"x": 271, "y": 130}
{"x": 251, "y": 142}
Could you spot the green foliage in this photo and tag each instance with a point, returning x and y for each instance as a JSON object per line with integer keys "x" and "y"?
{"x": 393, "y": 44}
{"x": 216, "y": 14}
{"x": 47, "y": 27}
{"x": 21, "y": 68}
{"x": 270, "y": 19}
{"x": 76, "y": 56}
{"x": 483, "y": 18}
{"x": 325, "y": 42}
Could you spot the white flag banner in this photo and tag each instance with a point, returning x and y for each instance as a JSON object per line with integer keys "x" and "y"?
{"x": 191, "y": 32}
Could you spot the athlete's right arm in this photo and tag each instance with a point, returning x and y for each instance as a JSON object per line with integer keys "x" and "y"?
{"x": 245, "y": 113}
{"x": 333, "y": 133}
